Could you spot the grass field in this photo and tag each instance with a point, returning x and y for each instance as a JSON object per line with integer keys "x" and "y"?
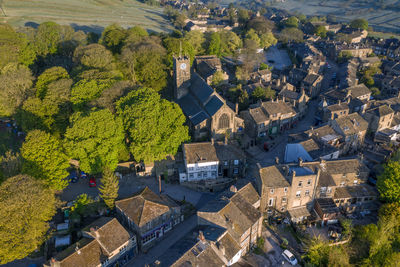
{"x": 87, "y": 15}
{"x": 380, "y": 20}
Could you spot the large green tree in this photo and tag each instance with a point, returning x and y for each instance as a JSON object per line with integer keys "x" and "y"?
{"x": 96, "y": 140}
{"x": 359, "y": 24}
{"x": 87, "y": 90}
{"x": 26, "y": 206}
{"x": 214, "y": 45}
{"x": 44, "y": 158}
{"x": 47, "y": 38}
{"x": 15, "y": 88}
{"x": 47, "y": 77}
{"x": 176, "y": 46}
{"x": 155, "y": 126}
{"x": 109, "y": 188}
{"x": 230, "y": 42}
{"x": 113, "y": 37}
{"x": 389, "y": 182}
{"x": 93, "y": 56}
{"x": 144, "y": 63}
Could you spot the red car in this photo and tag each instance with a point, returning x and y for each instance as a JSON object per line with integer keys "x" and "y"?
{"x": 92, "y": 182}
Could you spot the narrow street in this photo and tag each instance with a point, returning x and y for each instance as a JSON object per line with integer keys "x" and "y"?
{"x": 169, "y": 239}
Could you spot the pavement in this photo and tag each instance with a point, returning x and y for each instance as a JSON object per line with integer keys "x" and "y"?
{"x": 279, "y": 57}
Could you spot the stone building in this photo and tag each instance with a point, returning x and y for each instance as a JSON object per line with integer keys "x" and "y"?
{"x": 148, "y": 215}
{"x": 207, "y": 112}
{"x": 379, "y": 118}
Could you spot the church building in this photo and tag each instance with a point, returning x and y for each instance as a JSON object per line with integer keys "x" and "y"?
{"x": 207, "y": 112}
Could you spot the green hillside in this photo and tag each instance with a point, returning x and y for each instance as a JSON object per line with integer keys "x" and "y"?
{"x": 85, "y": 14}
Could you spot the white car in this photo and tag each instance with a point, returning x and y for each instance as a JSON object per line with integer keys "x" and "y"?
{"x": 289, "y": 257}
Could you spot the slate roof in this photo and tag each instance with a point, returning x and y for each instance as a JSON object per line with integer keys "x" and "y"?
{"x": 258, "y": 115}
{"x": 311, "y": 78}
{"x": 192, "y": 110}
{"x": 213, "y": 105}
{"x": 207, "y": 152}
{"x": 358, "y": 90}
{"x": 201, "y": 90}
{"x": 294, "y": 151}
{"x": 110, "y": 233}
{"x": 352, "y": 123}
{"x": 381, "y": 111}
{"x": 289, "y": 94}
{"x": 277, "y": 107}
{"x": 338, "y": 107}
{"x": 272, "y": 177}
{"x": 249, "y": 193}
{"x": 355, "y": 191}
{"x": 88, "y": 252}
{"x": 144, "y": 206}
{"x": 194, "y": 257}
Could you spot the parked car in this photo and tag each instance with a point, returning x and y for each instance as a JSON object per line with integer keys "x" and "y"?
{"x": 289, "y": 257}
{"x": 83, "y": 174}
{"x": 92, "y": 182}
{"x": 73, "y": 177}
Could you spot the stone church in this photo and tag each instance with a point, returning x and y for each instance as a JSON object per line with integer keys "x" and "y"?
{"x": 207, "y": 112}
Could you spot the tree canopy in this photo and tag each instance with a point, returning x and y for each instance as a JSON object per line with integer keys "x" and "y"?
{"x": 109, "y": 188}
{"x": 361, "y": 24}
{"x": 96, "y": 140}
{"x": 389, "y": 182}
{"x": 26, "y": 206}
{"x": 93, "y": 56}
{"x": 44, "y": 158}
{"x": 155, "y": 126}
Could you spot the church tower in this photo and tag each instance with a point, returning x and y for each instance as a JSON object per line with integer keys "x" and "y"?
{"x": 181, "y": 76}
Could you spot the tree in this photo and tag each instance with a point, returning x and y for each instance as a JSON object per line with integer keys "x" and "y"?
{"x": 10, "y": 164}
{"x": 87, "y": 90}
{"x": 109, "y": 188}
{"x": 180, "y": 21}
{"x": 43, "y": 158}
{"x": 217, "y": 78}
{"x": 111, "y": 94}
{"x": 48, "y": 76}
{"x": 243, "y": 16}
{"x": 47, "y": 38}
{"x": 197, "y": 41}
{"x": 177, "y": 46}
{"x": 113, "y": 37}
{"x": 321, "y": 31}
{"x": 292, "y": 22}
{"x": 359, "y": 24}
{"x": 230, "y": 42}
{"x": 15, "y": 88}
{"x": 260, "y": 25}
{"x": 26, "y": 206}
{"x": 291, "y": 34}
{"x": 252, "y": 35}
{"x": 83, "y": 205}
{"x": 264, "y": 66}
{"x": 243, "y": 100}
{"x": 144, "y": 63}
{"x": 375, "y": 91}
{"x": 267, "y": 39}
{"x": 319, "y": 253}
{"x": 263, "y": 93}
{"x": 93, "y": 56}
{"x": 135, "y": 34}
{"x": 214, "y": 46}
{"x": 96, "y": 140}
{"x": 389, "y": 182}
{"x": 155, "y": 126}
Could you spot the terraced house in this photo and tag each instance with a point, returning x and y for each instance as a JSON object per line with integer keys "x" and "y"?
{"x": 149, "y": 216}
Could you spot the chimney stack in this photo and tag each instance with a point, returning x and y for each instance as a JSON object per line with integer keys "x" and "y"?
{"x": 212, "y": 141}
{"x": 237, "y": 108}
{"x": 233, "y": 189}
{"x": 159, "y": 184}
{"x": 277, "y": 160}
{"x": 201, "y": 236}
{"x": 300, "y": 162}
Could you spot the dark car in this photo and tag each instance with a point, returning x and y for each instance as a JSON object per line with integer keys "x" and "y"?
{"x": 92, "y": 182}
{"x": 73, "y": 177}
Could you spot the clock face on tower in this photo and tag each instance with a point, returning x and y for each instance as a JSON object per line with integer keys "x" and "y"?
{"x": 183, "y": 66}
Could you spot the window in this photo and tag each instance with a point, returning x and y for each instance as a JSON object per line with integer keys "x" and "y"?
{"x": 309, "y": 182}
{"x": 148, "y": 238}
{"x": 300, "y": 183}
{"x": 307, "y": 193}
{"x": 213, "y": 167}
{"x": 355, "y": 181}
{"x": 342, "y": 183}
{"x": 214, "y": 173}
{"x": 235, "y": 170}
{"x": 225, "y": 163}
{"x": 329, "y": 190}
{"x": 191, "y": 168}
{"x": 236, "y": 162}
{"x": 284, "y": 200}
{"x": 298, "y": 193}
{"x": 148, "y": 225}
{"x": 272, "y": 191}
{"x": 191, "y": 175}
{"x": 223, "y": 121}
{"x": 323, "y": 190}
{"x": 261, "y": 125}
{"x": 271, "y": 202}
{"x": 285, "y": 189}
{"x": 205, "y": 175}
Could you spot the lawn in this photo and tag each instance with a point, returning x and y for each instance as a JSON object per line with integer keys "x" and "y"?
{"x": 87, "y": 15}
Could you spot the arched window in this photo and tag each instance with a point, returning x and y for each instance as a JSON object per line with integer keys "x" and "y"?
{"x": 223, "y": 121}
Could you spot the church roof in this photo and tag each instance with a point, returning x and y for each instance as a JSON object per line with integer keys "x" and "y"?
{"x": 200, "y": 89}
{"x": 213, "y": 105}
